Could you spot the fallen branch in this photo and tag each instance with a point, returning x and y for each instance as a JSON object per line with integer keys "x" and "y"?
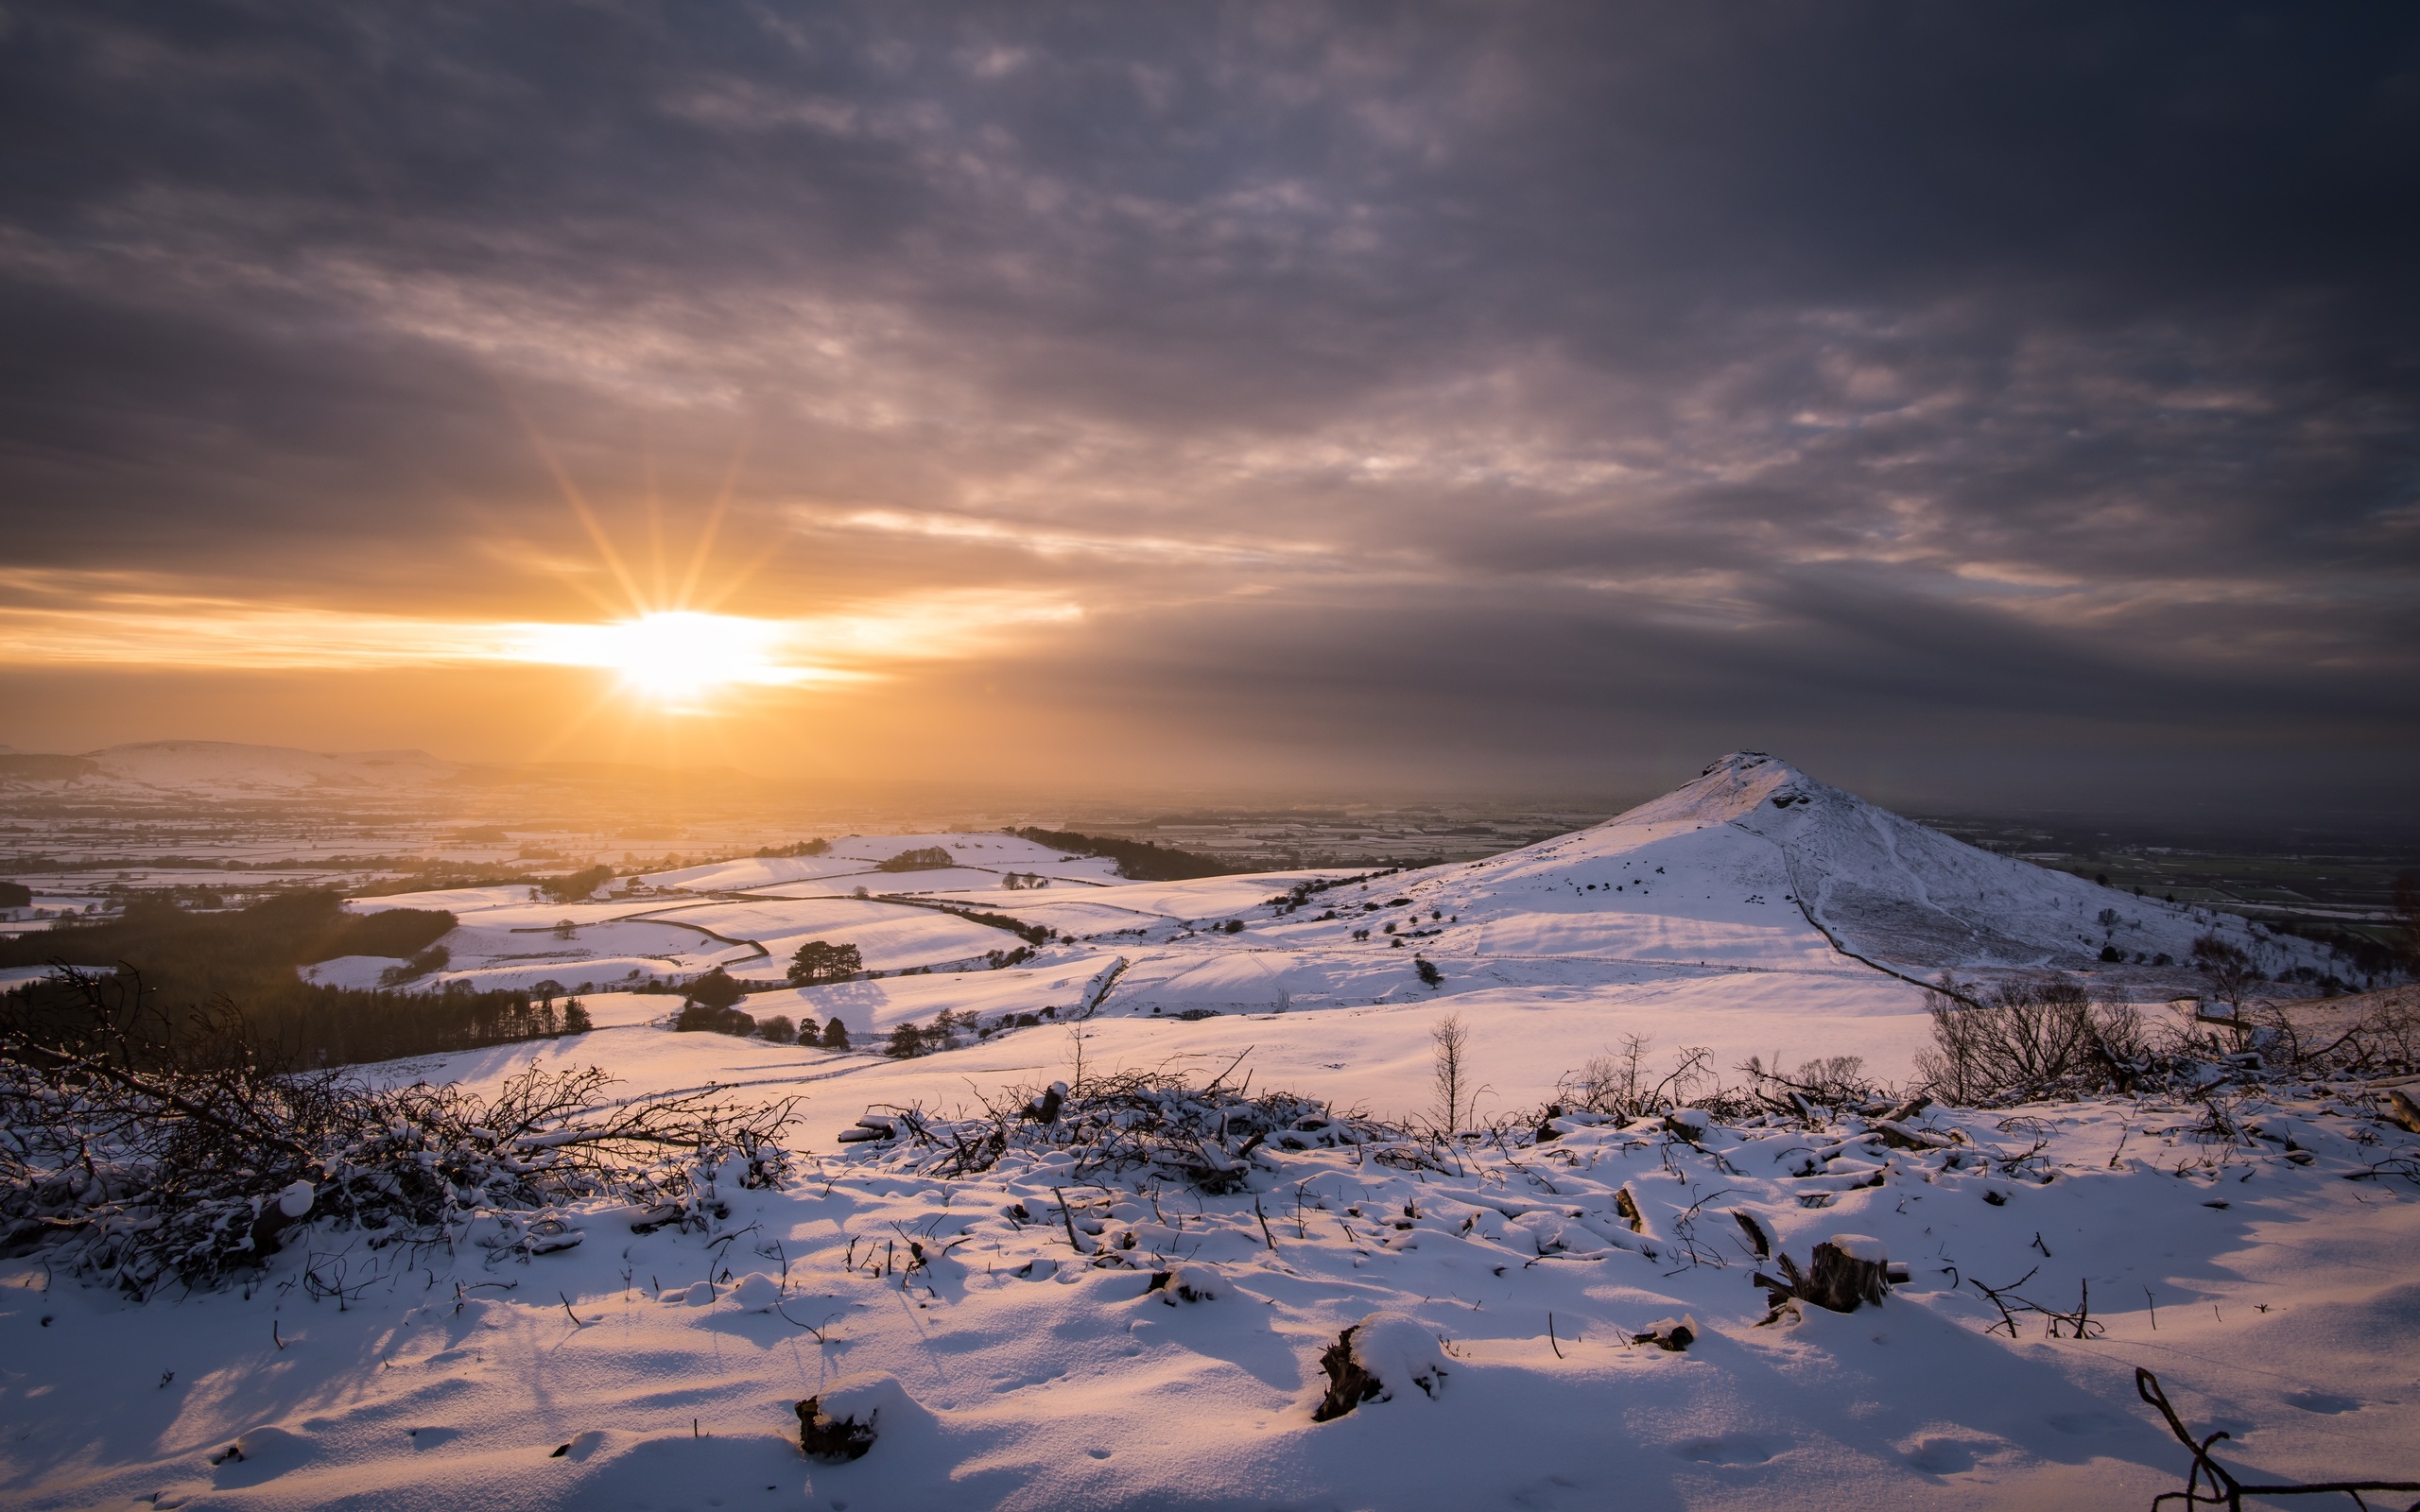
{"x": 1070, "y": 1218}
{"x": 2223, "y": 1488}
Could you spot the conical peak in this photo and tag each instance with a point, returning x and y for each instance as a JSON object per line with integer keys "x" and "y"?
{"x": 1730, "y": 788}
{"x": 1736, "y": 761}
{"x": 1747, "y": 765}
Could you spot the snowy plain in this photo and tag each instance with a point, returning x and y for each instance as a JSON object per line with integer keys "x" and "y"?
{"x": 1037, "y": 1368}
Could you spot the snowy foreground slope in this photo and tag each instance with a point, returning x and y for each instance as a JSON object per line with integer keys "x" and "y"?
{"x": 1008, "y": 1316}
{"x": 1030, "y": 1362}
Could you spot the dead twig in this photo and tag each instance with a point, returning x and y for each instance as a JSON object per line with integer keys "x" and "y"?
{"x": 2210, "y": 1483}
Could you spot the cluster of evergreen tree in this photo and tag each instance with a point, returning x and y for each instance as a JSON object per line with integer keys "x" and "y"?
{"x": 908, "y": 1040}
{"x": 711, "y": 1009}
{"x": 1030, "y": 933}
{"x": 820, "y": 961}
{"x": 803, "y": 848}
{"x": 244, "y": 962}
{"x": 578, "y": 886}
{"x": 1138, "y": 860}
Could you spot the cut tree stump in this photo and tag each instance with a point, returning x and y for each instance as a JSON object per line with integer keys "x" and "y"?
{"x": 1848, "y": 1271}
{"x": 1378, "y": 1359}
{"x": 1349, "y": 1383}
{"x": 833, "y": 1440}
{"x": 840, "y": 1422}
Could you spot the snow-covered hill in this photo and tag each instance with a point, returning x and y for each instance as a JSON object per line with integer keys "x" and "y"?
{"x": 1753, "y": 884}
{"x": 1755, "y": 867}
{"x": 1754, "y": 840}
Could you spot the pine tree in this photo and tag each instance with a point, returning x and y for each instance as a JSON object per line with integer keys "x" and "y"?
{"x": 816, "y": 961}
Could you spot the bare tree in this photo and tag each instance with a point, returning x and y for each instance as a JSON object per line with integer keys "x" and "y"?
{"x": 1451, "y": 1071}
{"x": 1614, "y": 1084}
{"x": 2230, "y": 970}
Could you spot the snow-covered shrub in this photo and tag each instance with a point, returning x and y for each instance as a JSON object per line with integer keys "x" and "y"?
{"x": 1619, "y": 1085}
{"x": 2029, "y": 1038}
{"x": 136, "y": 1150}
{"x": 2381, "y": 1036}
{"x": 1141, "y": 1125}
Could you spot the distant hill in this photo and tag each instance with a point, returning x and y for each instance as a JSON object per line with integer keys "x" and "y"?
{"x": 229, "y": 769}
{"x": 25, "y": 766}
{"x": 187, "y": 764}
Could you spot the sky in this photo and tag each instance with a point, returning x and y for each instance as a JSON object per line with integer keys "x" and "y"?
{"x": 1981, "y": 405}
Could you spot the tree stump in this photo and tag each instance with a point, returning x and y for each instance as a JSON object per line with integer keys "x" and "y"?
{"x": 833, "y": 1440}
{"x": 1349, "y": 1382}
{"x": 838, "y": 1423}
{"x": 1848, "y": 1271}
{"x": 1374, "y": 1359}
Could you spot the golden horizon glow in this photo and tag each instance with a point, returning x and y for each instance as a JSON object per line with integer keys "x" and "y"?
{"x": 678, "y": 659}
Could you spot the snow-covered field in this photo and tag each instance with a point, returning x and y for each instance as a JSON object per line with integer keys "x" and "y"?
{"x": 1034, "y": 1364}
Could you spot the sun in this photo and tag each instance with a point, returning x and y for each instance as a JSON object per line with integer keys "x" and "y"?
{"x": 678, "y": 659}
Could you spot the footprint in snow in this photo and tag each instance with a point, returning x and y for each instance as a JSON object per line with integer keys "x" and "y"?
{"x": 1940, "y": 1455}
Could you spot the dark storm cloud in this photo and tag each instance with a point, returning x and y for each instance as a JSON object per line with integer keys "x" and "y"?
{"x": 1633, "y": 374}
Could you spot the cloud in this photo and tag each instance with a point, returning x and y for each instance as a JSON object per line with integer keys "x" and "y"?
{"x": 1621, "y": 376}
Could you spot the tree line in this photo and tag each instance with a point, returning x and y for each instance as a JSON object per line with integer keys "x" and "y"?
{"x": 1137, "y": 860}
{"x": 180, "y": 964}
